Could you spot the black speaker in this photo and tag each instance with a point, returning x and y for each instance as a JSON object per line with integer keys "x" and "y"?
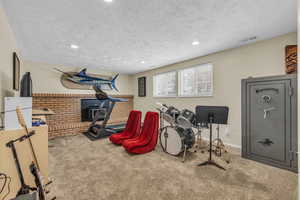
{"x": 26, "y": 85}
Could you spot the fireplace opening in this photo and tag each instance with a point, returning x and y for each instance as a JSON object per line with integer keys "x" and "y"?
{"x": 89, "y": 108}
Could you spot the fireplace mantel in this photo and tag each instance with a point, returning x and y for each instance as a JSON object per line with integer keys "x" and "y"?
{"x": 69, "y": 95}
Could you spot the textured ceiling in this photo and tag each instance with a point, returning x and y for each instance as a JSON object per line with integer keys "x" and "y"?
{"x": 119, "y": 35}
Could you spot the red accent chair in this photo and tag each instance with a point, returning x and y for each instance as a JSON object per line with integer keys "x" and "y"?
{"x": 132, "y": 129}
{"x": 147, "y": 140}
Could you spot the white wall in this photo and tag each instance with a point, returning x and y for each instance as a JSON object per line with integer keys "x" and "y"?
{"x": 7, "y": 47}
{"x": 263, "y": 58}
{"x": 46, "y": 80}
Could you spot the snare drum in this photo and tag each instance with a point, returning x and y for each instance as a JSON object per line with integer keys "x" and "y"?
{"x": 186, "y": 119}
{"x": 174, "y": 139}
{"x": 171, "y": 115}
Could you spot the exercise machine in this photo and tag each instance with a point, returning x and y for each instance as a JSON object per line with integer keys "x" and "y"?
{"x": 97, "y": 131}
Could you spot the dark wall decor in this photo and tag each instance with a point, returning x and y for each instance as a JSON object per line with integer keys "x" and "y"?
{"x": 16, "y": 72}
{"x": 142, "y": 86}
{"x": 291, "y": 59}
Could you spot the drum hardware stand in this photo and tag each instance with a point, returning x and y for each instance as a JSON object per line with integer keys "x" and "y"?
{"x": 166, "y": 138}
{"x": 161, "y": 123}
{"x": 174, "y": 118}
{"x": 161, "y": 119}
{"x": 200, "y": 143}
{"x": 218, "y": 144}
{"x": 184, "y": 153}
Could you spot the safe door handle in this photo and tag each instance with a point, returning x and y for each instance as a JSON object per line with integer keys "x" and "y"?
{"x": 264, "y": 89}
{"x": 266, "y": 142}
{"x": 267, "y": 111}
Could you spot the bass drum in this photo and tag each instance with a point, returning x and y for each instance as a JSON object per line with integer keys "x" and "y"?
{"x": 174, "y": 139}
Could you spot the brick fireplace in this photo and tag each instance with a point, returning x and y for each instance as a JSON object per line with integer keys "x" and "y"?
{"x": 67, "y": 108}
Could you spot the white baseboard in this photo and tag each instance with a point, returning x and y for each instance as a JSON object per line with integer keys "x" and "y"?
{"x": 233, "y": 145}
{"x": 228, "y": 144}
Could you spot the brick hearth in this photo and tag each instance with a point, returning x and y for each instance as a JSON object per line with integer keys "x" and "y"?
{"x": 67, "y": 117}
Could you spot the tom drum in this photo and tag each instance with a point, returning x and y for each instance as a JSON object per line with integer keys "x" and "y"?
{"x": 186, "y": 119}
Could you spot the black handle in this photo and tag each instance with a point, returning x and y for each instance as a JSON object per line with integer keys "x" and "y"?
{"x": 266, "y": 142}
{"x": 263, "y": 89}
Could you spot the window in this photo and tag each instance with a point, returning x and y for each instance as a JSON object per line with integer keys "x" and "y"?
{"x": 190, "y": 82}
{"x": 165, "y": 85}
{"x": 196, "y": 81}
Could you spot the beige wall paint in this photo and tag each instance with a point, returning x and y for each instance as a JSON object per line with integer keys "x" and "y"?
{"x": 7, "y": 47}
{"x": 46, "y": 80}
{"x": 263, "y": 58}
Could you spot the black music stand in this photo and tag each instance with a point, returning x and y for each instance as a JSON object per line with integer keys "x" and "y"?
{"x": 211, "y": 115}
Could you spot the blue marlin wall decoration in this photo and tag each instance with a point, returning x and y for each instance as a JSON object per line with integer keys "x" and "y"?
{"x": 84, "y": 79}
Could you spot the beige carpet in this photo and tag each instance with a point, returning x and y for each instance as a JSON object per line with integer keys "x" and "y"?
{"x": 85, "y": 170}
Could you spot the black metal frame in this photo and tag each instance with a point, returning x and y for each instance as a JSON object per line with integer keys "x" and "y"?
{"x": 99, "y": 131}
{"x": 211, "y": 115}
{"x": 25, "y": 189}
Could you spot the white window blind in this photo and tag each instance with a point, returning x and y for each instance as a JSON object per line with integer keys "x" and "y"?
{"x": 196, "y": 81}
{"x": 165, "y": 85}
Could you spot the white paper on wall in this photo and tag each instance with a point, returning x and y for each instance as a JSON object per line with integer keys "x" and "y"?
{"x": 10, "y": 116}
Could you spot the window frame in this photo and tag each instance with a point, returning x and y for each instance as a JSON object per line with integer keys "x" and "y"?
{"x": 178, "y": 83}
{"x": 154, "y": 84}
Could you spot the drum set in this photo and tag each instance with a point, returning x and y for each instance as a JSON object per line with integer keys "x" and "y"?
{"x": 177, "y": 136}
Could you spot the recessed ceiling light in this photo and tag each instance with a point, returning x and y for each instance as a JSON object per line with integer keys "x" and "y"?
{"x": 108, "y": 1}
{"x": 74, "y": 46}
{"x": 195, "y": 43}
{"x": 143, "y": 62}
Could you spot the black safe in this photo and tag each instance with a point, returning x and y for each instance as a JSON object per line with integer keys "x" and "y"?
{"x": 269, "y": 120}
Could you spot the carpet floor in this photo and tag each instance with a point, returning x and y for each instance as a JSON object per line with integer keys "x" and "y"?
{"x": 99, "y": 170}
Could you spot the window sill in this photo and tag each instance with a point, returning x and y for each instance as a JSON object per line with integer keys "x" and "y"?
{"x": 209, "y": 96}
